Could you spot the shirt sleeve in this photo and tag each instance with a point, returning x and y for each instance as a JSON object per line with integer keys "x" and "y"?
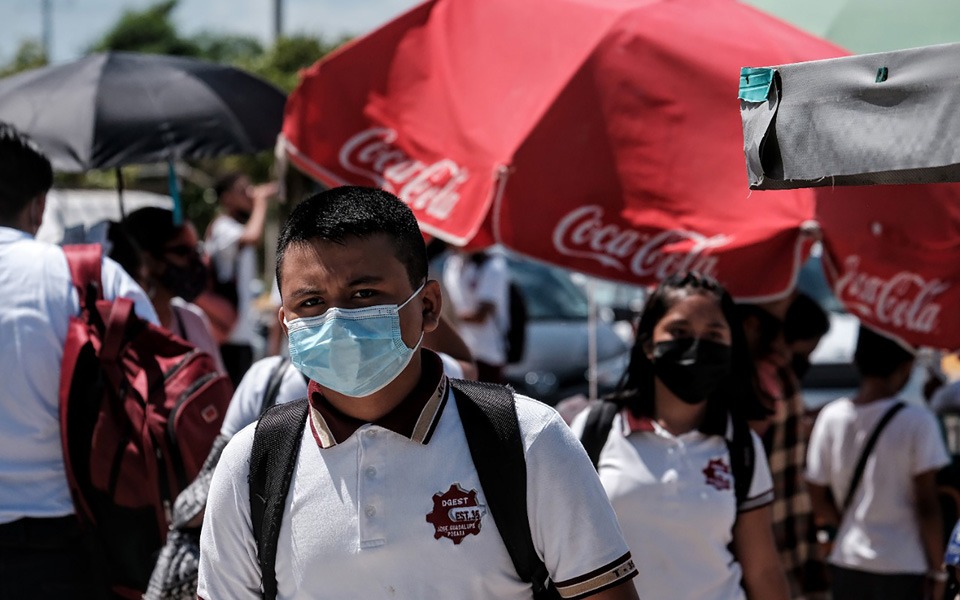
{"x": 229, "y": 569}
{"x": 118, "y": 284}
{"x": 929, "y": 450}
{"x": 761, "y": 483}
{"x": 572, "y": 523}
{"x": 247, "y": 399}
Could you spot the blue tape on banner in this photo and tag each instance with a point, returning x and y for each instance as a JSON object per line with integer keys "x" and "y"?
{"x": 755, "y": 84}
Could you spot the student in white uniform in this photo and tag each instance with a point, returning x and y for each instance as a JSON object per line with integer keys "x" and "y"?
{"x": 666, "y": 466}
{"x": 384, "y": 455}
{"x": 882, "y": 535}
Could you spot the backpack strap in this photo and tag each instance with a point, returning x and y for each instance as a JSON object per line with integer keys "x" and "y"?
{"x": 597, "y": 429}
{"x": 489, "y": 416}
{"x": 84, "y": 262}
{"x": 272, "y": 390}
{"x": 743, "y": 458}
{"x": 273, "y": 457}
{"x": 867, "y": 449}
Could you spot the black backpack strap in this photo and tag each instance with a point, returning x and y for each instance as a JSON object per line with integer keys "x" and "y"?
{"x": 272, "y": 390}
{"x": 867, "y": 449}
{"x": 273, "y": 458}
{"x": 597, "y": 429}
{"x": 743, "y": 458}
{"x": 489, "y": 416}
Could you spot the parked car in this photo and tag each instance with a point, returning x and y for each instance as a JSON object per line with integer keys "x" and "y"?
{"x": 555, "y": 360}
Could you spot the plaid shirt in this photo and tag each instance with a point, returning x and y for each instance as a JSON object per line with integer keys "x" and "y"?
{"x": 793, "y": 527}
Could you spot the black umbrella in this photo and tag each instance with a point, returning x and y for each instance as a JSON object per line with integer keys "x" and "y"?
{"x": 121, "y": 108}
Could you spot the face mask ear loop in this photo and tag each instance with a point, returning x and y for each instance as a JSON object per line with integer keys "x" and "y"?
{"x": 413, "y": 295}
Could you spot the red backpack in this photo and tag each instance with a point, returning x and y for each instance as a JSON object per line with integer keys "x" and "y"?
{"x": 139, "y": 410}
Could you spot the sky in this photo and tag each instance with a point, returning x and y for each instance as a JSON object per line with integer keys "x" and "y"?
{"x": 77, "y": 23}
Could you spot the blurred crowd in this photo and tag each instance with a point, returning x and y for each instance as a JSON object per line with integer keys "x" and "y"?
{"x": 710, "y": 477}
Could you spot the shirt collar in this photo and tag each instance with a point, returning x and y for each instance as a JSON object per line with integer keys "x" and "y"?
{"x": 414, "y": 418}
{"x": 10, "y": 234}
{"x": 632, "y": 423}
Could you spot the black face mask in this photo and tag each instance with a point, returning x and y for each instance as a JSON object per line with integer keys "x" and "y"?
{"x": 692, "y": 368}
{"x": 800, "y": 365}
{"x": 187, "y": 282}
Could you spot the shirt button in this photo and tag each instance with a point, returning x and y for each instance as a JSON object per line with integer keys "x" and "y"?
{"x": 370, "y": 511}
{"x": 371, "y": 472}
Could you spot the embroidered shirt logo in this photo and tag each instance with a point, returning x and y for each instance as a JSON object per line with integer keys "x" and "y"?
{"x": 456, "y": 513}
{"x": 717, "y": 473}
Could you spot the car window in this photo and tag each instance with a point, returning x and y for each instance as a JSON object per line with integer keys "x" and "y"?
{"x": 549, "y": 292}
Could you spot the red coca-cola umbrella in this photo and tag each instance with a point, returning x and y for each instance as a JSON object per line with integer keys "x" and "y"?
{"x": 892, "y": 256}
{"x": 600, "y": 135}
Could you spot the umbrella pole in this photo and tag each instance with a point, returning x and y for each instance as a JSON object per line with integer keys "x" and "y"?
{"x": 591, "y": 341}
{"x": 123, "y": 214}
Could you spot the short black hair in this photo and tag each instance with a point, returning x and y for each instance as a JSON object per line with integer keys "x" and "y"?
{"x": 805, "y": 320}
{"x": 340, "y": 213}
{"x": 152, "y": 228}
{"x": 25, "y": 171}
{"x": 735, "y": 396}
{"x": 878, "y": 355}
{"x": 225, "y": 182}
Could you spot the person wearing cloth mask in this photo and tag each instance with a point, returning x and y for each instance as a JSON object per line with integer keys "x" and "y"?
{"x": 165, "y": 261}
{"x": 384, "y": 457}
{"x": 665, "y": 464}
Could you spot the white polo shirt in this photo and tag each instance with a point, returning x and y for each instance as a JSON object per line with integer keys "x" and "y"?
{"x": 879, "y": 532}
{"x": 235, "y": 262}
{"x": 674, "y": 497}
{"x": 37, "y": 299}
{"x": 373, "y": 516}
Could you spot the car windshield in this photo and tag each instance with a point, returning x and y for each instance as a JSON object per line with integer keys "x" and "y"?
{"x": 549, "y": 292}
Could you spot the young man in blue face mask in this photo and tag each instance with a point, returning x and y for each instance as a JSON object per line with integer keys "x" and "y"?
{"x": 385, "y": 499}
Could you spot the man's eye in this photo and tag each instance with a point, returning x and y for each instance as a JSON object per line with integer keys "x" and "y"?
{"x": 364, "y": 294}
{"x": 311, "y": 302}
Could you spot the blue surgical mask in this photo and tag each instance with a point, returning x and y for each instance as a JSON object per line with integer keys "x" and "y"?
{"x": 355, "y": 352}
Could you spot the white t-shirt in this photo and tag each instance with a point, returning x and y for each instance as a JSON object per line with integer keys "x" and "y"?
{"x": 37, "y": 299}
{"x": 191, "y": 323}
{"x": 879, "y": 532}
{"x": 674, "y": 497}
{"x": 467, "y": 286}
{"x": 247, "y": 401}
{"x": 232, "y": 261}
{"x": 384, "y": 515}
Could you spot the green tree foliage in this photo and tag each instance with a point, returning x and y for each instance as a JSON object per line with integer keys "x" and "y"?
{"x": 227, "y": 48}
{"x": 151, "y": 30}
{"x": 30, "y": 55}
{"x": 282, "y": 62}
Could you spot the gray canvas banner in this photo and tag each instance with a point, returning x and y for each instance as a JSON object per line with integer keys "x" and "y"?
{"x": 888, "y": 118}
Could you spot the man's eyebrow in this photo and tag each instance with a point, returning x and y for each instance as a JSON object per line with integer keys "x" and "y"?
{"x": 305, "y": 291}
{"x": 365, "y": 280}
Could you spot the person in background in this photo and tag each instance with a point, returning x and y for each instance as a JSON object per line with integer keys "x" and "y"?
{"x": 785, "y": 441}
{"x": 882, "y": 535}
{"x": 666, "y": 466}
{"x": 43, "y": 552}
{"x": 478, "y": 284}
{"x": 165, "y": 260}
{"x": 384, "y": 439}
{"x": 231, "y": 243}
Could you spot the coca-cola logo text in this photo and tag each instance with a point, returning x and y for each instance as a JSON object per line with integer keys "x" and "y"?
{"x": 429, "y": 188}
{"x": 583, "y": 234}
{"x": 905, "y": 300}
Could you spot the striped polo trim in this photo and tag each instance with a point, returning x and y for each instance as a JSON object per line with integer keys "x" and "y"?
{"x": 422, "y": 430}
{"x": 614, "y": 573}
{"x": 758, "y": 501}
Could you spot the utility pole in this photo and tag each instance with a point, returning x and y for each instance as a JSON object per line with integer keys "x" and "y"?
{"x": 277, "y": 20}
{"x": 46, "y": 24}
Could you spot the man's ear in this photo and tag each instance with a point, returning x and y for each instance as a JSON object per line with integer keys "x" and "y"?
{"x": 283, "y": 322}
{"x": 432, "y": 304}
